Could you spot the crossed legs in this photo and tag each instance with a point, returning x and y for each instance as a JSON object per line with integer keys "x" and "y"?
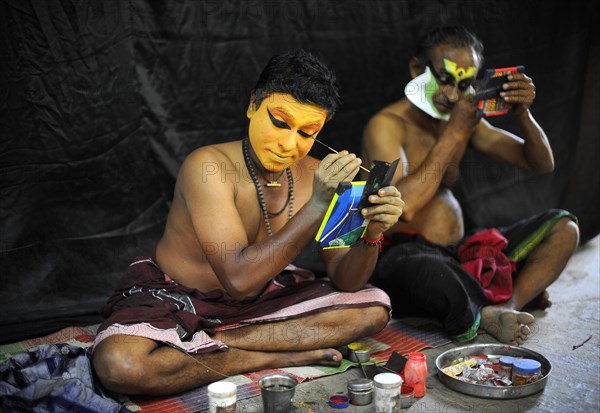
{"x": 137, "y": 365}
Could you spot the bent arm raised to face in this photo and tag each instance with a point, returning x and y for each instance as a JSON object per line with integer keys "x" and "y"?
{"x": 530, "y": 152}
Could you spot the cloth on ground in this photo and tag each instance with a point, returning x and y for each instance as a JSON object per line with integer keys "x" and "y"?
{"x": 482, "y": 257}
{"x": 425, "y": 279}
{"x": 148, "y": 304}
{"x": 52, "y": 378}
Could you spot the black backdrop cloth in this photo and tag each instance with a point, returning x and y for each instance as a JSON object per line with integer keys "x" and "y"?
{"x": 101, "y": 100}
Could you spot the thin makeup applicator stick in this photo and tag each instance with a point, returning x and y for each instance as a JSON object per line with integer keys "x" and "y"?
{"x": 334, "y": 151}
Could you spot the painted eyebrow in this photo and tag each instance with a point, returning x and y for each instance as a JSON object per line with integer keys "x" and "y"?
{"x": 281, "y": 124}
{"x": 463, "y": 84}
{"x": 278, "y": 123}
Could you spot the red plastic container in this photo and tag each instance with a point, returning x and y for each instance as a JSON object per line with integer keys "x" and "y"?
{"x": 415, "y": 372}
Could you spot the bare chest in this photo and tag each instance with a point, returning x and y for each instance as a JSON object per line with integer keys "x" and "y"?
{"x": 265, "y": 210}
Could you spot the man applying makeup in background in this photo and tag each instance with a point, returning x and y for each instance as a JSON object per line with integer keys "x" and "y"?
{"x": 430, "y": 130}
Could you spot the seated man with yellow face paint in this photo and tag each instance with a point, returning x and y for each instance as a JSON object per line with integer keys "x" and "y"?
{"x": 429, "y": 268}
{"x": 219, "y": 296}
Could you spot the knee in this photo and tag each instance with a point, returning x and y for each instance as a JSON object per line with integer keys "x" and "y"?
{"x": 376, "y": 318}
{"x": 573, "y": 230}
{"x": 569, "y": 233}
{"x": 118, "y": 369}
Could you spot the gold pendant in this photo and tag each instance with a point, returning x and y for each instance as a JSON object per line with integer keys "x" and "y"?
{"x": 273, "y": 184}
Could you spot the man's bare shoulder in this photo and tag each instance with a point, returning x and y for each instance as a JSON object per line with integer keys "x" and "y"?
{"x": 212, "y": 166}
{"x": 212, "y": 159}
{"x": 221, "y": 152}
{"x": 388, "y": 126}
{"x": 394, "y": 117}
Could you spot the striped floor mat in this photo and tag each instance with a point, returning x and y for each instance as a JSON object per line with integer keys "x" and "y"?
{"x": 402, "y": 336}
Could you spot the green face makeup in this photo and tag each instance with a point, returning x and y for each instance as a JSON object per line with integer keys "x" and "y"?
{"x": 421, "y": 90}
{"x": 454, "y": 76}
{"x": 431, "y": 88}
{"x": 459, "y": 73}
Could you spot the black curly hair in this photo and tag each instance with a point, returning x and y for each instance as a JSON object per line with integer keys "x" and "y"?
{"x": 456, "y": 36}
{"x": 301, "y": 75}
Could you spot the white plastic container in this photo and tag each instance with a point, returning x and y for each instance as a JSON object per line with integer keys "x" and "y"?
{"x": 222, "y": 397}
{"x": 387, "y": 393}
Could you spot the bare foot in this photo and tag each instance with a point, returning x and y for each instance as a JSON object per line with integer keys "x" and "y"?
{"x": 508, "y": 326}
{"x": 324, "y": 357}
{"x": 257, "y": 360}
{"x": 541, "y": 302}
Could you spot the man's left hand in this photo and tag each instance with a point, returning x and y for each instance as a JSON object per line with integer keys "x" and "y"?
{"x": 519, "y": 91}
{"x": 386, "y": 208}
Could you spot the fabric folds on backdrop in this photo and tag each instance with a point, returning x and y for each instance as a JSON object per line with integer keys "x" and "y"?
{"x": 102, "y": 100}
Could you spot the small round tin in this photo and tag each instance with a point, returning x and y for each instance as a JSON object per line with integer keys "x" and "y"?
{"x": 338, "y": 402}
{"x": 407, "y": 396}
{"x": 359, "y": 352}
{"x": 360, "y": 391}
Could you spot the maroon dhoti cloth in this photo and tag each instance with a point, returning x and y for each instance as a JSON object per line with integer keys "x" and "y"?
{"x": 148, "y": 303}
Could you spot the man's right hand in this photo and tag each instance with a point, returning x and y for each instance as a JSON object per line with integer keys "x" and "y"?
{"x": 463, "y": 118}
{"x": 333, "y": 169}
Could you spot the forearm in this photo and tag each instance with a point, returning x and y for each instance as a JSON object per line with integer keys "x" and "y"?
{"x": 351, "y": 268}
{"x": 356, "y": 266}
{"x": 440, "y": 168}
{"x": 536, "y": 148}
{"x": 256, "y": 264}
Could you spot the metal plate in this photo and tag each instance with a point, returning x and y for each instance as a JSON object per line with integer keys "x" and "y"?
{"x": 491, "y": 392}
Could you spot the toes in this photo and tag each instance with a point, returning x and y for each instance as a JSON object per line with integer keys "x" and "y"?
{"x": 333, "y": 357}
{"x": 523, "y": 334}
{"x": 525, "y": 318}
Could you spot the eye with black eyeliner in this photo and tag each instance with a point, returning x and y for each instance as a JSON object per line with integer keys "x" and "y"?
{"x": 306, "y": 135}
{"x": 281, "y": 124}
{"x": 444, "y": 79}
{"x": 465, "y": 84}
{"x": 276, "y": 122}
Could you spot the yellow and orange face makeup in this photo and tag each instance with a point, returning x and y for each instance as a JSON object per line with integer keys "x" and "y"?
{"x": 282, "y": 129}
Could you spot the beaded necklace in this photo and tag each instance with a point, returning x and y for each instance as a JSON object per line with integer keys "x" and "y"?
{"x": 259, "y": 192}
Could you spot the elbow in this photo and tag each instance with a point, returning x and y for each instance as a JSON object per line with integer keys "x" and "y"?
{"x": 407, "y": 215}
{"x": 409, "y": 211}
{"x": 241, "y": 291}
{"x": 351, "y": 288}
{"x": 237, "y": 294}
{"x": 545, "y": 168}
{"x": 548, "y": 169}
{"x": 541, "y": 165}
{"x": 550, "y": 166}
{"x": 243, "y": 294}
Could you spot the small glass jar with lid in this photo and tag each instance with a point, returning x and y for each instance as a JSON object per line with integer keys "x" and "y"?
{"x": 505, "y": 366}
{"x": 525, "y": 371}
